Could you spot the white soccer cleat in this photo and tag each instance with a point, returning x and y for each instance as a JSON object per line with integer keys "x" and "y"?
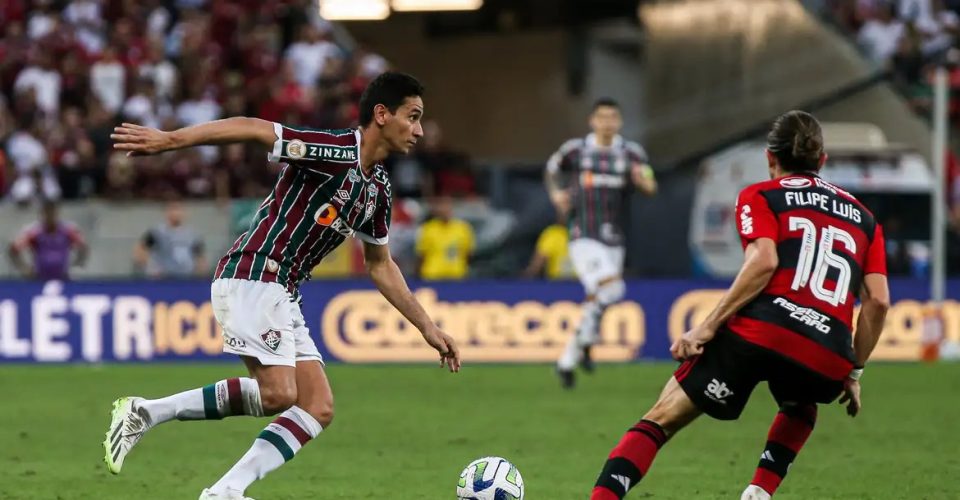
{"x": 206, "y": 494}
{"x": 127, "y": 426}
{"x": 754, "y": 492}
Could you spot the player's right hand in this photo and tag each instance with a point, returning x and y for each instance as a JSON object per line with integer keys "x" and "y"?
{"x": 851, "y": 396}
{"x": 560, "y": 200}
{"x": 445, "y": 345}
{"x": 138, "y": 140}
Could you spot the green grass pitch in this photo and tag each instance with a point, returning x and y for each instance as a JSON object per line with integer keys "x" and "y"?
{"x": 405, "y": 432}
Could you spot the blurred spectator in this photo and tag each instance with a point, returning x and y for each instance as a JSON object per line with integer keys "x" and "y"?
{"x": 108, "y": 80}
{"x": 445, "y": 244}
{"x": 171, "y": 249}
{"x": 144, "y": 107}
{"x": 42, "y": 21}
{"x": 879, "y": 37}
{"x": 86, "y": 17}
{"x": 43, "y": 80}
{"x": 551, "y": 258}
{"x": 33, "y": 177}
{"x": 51, "y": 242}
{"x": 204, "y": 60}
{"x": 73, "y": 156}
{"x": 309, "y": 54}
{"x": 162, "y": 72}
{"x": 75, "y": 87}
{"x": 433, "y": 169}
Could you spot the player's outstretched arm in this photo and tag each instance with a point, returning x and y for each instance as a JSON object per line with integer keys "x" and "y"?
{"x": 140, "y": 140}
{"x": 391, "y": 283}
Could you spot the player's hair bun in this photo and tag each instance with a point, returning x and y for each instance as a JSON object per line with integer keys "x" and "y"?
{"x": 796, "y": 140}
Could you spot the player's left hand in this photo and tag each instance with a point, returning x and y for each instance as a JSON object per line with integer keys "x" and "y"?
{"x": 445, "y": 345}
{"x": 691, "y": 343}
{"x": 138, "y": 140}
{"x": 851, "y": 396}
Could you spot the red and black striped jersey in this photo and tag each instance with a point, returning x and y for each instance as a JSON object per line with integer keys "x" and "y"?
{"x": 321, "y": 197}
{"x": 599, "y": 180}
{"x": 827, "y": 241}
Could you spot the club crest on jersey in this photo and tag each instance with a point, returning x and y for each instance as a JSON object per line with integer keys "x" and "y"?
{"x": 796, "y": 183}
{"x": 271, "y": 339}
{"x": 371, "y": 206}
{"x": 353, "y": 175}
{"x": 296, "y": 149}
{"x": 325, "y": 215}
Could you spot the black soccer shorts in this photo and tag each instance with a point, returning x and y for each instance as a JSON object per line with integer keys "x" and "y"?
{"x": 720, "y": 380}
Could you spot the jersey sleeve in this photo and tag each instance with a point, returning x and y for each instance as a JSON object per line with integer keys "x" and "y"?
{"x": 376, "y": 230}
{"x": 320, "y": 150}
{"x": 876, "y": 258}
{"x": 559, "y": 161}
{"x": 76, "y": 237}
{"x": 25, "y": 239}
{"x": 636, "y": 153}
{"x": 755, "y": 219}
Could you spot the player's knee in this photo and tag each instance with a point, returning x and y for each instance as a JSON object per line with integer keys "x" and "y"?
{"x": 805, "y": 412}
{"x": 277, "y": 399}
{"x": 611, "y": 292}
{"x": 322, "y": 412}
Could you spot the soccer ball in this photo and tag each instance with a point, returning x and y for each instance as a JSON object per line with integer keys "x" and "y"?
{"x": 490, "y": 478}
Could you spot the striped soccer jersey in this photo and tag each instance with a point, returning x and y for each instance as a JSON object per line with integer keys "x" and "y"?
{"x": 827, "y": 241}
{"x": 600, "y": 182}
{"x": 321, "y": 197}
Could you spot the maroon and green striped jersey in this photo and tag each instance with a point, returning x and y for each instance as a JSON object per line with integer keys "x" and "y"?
{"x": 599, "y": 182}
{"x": 321, "y": 197}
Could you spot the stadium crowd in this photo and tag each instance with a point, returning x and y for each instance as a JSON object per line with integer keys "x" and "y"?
{"x": 72, "y": 69}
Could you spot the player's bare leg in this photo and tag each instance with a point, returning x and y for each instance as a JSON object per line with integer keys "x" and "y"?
{"x": 631, "y": 458}
{"x": 304, "y": 400}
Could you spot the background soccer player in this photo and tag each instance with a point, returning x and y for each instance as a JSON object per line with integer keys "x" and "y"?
{"x": 810, "y": 250}
{"x": 333, "y": 186}
{"x": 589, "y": 179}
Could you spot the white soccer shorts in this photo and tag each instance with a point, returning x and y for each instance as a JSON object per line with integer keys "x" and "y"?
{"x": 259, "y": 320}
{"x": 595, "y": 261}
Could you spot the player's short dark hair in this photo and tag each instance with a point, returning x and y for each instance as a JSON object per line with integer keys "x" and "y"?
{"x": 605, "y": 102}
{"x": 389, "y": 89}
{"x": 797, "y": 141}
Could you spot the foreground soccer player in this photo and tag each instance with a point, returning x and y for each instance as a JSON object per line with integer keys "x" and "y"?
{"x": 601, "y": 169}
{"x": 333, "y": 186}
{"x": 811, "y": 248}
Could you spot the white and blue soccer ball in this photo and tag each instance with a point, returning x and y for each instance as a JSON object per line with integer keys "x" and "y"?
{"x": 490, "y": 478}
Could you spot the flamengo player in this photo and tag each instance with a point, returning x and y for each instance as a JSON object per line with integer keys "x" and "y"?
{"x": 333, "y": 186}
{"x": 811, "y": 249}
{"x": 601, "y": 168}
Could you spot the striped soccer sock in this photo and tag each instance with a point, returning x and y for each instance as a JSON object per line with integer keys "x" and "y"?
{"x": 275, "y": 445}
{"x": 788, "y": 433}
{"x": 629, "y": 461}
{"x": 226, "y": 398}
